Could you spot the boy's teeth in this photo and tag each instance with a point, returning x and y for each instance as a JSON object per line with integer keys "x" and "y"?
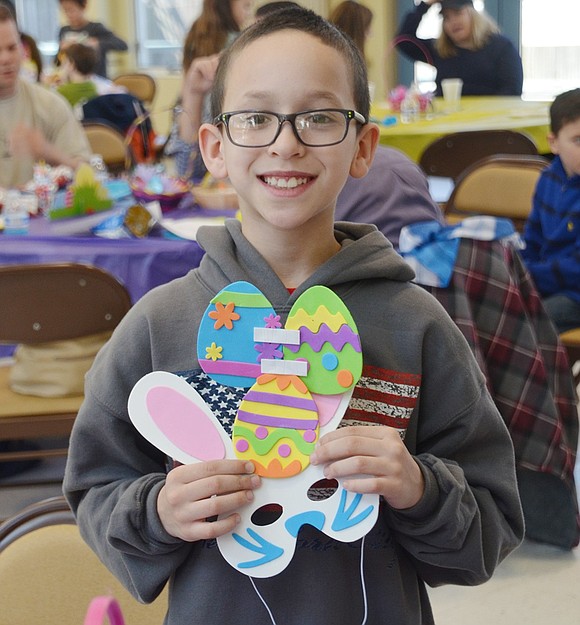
{"x": 285, "y": 183}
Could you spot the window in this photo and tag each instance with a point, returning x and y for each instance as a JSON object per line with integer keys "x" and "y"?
{"x": 550, "y": 47}
{"x": 161, "y": 27}
{"x": 39, "y": 19}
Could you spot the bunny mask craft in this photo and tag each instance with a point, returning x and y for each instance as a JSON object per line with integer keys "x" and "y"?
{"x": 300, "y": 380}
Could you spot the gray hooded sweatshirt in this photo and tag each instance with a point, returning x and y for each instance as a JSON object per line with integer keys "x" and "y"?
{"x": 468, "y": 520}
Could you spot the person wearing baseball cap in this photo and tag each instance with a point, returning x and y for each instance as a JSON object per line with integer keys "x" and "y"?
{"x": 469, "y": 47}
{"x": 455, "y": 4}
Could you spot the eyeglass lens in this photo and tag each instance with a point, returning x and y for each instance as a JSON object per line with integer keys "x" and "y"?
{"x": 316, "y": 128}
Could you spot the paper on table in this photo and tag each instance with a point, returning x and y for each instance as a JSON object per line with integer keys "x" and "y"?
{"x": 187, "y": 228}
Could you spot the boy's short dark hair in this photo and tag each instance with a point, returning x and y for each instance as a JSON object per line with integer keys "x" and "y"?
{"x": 303, "y": 20}
{"x": 565, "y": 109}
{"x": 275, "y": 5}
{"x": 84, "y": 58}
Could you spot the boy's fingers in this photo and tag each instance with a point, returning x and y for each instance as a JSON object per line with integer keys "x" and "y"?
{"x": 223, "y": 485}
{"x": 355, "y": 430}
{"x": 200, "y": 470}
{"x": 206, "y": 530}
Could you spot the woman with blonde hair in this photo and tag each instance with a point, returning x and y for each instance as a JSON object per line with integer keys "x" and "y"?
{"x": 469, "y": 47}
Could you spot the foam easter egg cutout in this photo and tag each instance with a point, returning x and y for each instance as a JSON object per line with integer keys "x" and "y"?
{"x": 329, "y": 341}
{"x": 276, "y": 426}
{"x": 300, "y": 380}
{"x": 171, "y": 415}
{"x": 226, "y": 348}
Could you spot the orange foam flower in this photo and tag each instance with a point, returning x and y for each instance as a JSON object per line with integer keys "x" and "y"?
{"x": 283, "y": 381}
{"x": 224, "y": 315}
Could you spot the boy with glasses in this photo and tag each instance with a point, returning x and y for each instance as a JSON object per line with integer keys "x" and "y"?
{"x": 290, "y": 107}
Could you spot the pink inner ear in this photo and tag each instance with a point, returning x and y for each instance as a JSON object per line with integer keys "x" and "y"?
{"x": 327, "y": 406}
{"x": 185, "y": 423}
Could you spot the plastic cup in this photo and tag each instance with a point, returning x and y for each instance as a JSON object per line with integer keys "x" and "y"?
{"x": 451, "y": 88}
{"x": 45, "y": 194}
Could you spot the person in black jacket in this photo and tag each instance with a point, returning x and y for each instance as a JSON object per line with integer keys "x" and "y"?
{"x": 94, "y": 34}
{"x": 469, "y": 47}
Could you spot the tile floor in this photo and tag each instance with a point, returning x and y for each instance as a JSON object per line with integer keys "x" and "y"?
{"x": 536, "y": 585}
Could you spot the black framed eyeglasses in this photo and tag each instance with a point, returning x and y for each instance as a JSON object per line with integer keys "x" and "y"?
{"x": 316, "y": 128}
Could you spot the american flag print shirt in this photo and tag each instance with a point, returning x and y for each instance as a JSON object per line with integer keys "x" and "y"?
{"x": 381, "y": 397}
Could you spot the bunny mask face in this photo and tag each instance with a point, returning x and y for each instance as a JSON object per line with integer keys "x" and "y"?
{"x": 300, "y": 379}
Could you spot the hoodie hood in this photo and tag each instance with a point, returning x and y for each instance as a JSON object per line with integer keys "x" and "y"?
{"x": 365, "y": 254}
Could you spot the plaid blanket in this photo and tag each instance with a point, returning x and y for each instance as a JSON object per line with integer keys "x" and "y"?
{"x": 494, "y": 302}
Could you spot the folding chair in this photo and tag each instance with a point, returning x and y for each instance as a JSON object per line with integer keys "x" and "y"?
{"x": 143, "y": 86}
{"x": 127, "y": 114}
{"x": 43, "y": 303}
{"x": 451, "y": 154}
{"x": 48, "y": 574}
{"x": 110, "y": 144}
{"x": 501, "y": 186}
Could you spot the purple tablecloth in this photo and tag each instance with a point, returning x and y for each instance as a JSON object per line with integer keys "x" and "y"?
{"x": 140, "y": 264}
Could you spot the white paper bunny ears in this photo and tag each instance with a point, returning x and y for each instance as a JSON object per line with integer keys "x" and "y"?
{"x": 300, "y": 380}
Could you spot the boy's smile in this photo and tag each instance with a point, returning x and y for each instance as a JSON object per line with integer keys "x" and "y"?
{"x": 285, "y": 181}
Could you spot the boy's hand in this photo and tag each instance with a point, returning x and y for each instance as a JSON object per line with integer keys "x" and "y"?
{"x": 195, "y": 492}
{"x": 378, "y": 459}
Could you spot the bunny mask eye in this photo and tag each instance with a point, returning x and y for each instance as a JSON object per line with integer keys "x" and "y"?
{"x": 300, "y": 379}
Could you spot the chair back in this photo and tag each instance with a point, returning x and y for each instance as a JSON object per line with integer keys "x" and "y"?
{"x": 49, "y": 575}
{"x": 143, "y": 86}
{"x": 451, "y": 154}
{"x": 110, "y": 144}
{"x": 53, "y": 302}
{"x": 41, "y": 304}
{"x": 127, "y": 114}
{"x": 501, "y": 186}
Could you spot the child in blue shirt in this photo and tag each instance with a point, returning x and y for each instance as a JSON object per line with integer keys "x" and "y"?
{"x": 552, "y": 233}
